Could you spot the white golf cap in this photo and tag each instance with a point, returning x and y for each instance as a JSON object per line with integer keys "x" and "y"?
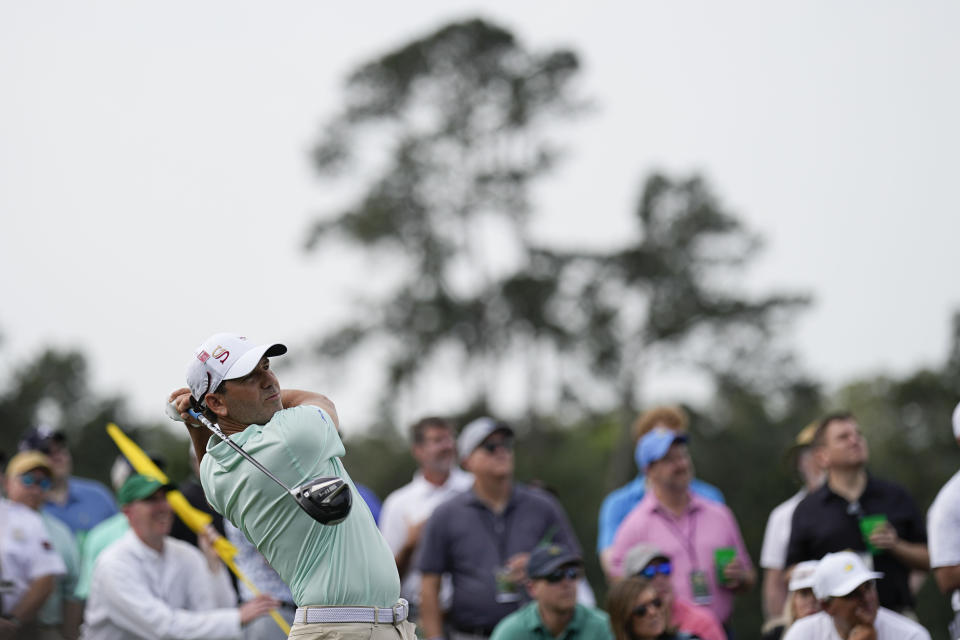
{"x": 476, "y": 432}
{"x": 225, "y": 356}
{"x": 802, "y": 575}
{"x": 838, "y": 574}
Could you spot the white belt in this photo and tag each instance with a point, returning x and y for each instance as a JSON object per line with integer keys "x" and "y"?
{"x": 376, "y": 615}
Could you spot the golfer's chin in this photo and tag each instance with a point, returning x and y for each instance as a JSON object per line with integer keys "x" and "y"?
{"x": 273, "y": 404}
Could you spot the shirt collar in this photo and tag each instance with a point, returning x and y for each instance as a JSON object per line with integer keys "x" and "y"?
{"x": 532, "y": 620}
{"x": 456, "y": 477}
{"x": 141, "y": 550}
{"x": 477, "y": 502}
{"x": 651, "y": 503}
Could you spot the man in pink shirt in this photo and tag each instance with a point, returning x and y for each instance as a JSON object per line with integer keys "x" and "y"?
{"x": 649, "y": 562}
{"x": 695, "y": 533}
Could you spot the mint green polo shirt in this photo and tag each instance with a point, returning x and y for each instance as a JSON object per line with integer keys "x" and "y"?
{"x": 97, "y": 539}
{"x": 51, "y": 612}
{"x": 525, "y": 624}
{"x": 344, "y": 564}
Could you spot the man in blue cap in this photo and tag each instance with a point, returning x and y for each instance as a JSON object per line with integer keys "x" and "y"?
{"x": 701, "y": 537}
{"x": 553, "y": 572}
{"x": 622, "y": 500}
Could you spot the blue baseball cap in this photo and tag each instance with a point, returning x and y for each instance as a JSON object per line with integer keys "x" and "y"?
{"x": 654, "y": 446}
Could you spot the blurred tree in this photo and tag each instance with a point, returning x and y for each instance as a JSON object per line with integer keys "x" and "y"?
{"x": 462, "y": 115}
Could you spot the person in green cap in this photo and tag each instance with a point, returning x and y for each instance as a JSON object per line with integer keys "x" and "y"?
{"x": 149, "y": 585}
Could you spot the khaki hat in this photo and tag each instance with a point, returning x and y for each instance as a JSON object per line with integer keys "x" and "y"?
{"x": 27, "y": 460}
{"x": 639, "y": 556}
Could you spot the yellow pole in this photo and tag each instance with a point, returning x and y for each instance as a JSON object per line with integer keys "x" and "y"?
{"x": 194, "y": 518}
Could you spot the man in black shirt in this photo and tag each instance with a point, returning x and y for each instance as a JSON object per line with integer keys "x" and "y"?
{"x": 829, "y": 519}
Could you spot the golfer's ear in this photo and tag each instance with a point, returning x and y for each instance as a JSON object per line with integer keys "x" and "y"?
{"x": 215, "y": 403}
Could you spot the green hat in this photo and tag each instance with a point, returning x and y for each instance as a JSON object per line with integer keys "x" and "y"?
{"x": 138, "y": 487}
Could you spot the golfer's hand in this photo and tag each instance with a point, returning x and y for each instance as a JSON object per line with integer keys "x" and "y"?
{"x": 180, "y": 398}
{"x": 884, "y": 536}
{"x": 253, "y": 609}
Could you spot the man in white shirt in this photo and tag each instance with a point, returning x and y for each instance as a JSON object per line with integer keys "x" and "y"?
{"x": 847, "y": 592}
{"x": 148, "y": 585}
{"x": 29, "y": 563}
{"x": 406, "y": 510}
{"x": 943, "y": 537}
{"x": 776, "y": 537}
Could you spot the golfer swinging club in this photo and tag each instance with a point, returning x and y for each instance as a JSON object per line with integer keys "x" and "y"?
{"x": 342, "y": 576}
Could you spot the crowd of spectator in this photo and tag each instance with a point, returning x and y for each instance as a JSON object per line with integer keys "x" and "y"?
{"x": 481, "y": 555}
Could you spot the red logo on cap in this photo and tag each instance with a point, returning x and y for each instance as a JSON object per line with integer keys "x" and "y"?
{"x": 202, "y": 356}
{"x": 221, "y": 354}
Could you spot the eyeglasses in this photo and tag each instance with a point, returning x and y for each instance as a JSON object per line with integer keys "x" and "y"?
{"x": 491, "y": 447}
{"x": 647, "y": 607}
{"x": 651, "y": 570}
{"x": 29, "y": 480}
{"x": 570, "y": 573}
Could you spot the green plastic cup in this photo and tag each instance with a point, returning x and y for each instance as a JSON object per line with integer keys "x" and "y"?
{"x": 721, "y": 558}
{"x": 867, "y": 525}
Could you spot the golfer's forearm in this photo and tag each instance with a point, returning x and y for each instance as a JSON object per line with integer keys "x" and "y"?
{"x": 199, "y": 436}
{"x": 430, "y": 618}
{"x": 298, "y": 397}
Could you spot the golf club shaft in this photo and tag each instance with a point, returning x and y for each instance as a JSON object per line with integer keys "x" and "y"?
{"x": 233, "y": 445}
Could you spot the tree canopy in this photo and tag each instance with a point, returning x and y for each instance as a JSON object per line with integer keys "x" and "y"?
{"x": 454, "y": 128}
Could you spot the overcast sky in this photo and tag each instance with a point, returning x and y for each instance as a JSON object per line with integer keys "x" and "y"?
{"x": 155, "y": 185}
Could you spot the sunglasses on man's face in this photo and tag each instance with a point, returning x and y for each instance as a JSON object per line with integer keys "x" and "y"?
{"x": 30, "y": 480}
{"x": 652, "y": 569}
{"x": 492, "y": 446}
{"x": 570, "y": 573}
{"x": 643, "y": 609}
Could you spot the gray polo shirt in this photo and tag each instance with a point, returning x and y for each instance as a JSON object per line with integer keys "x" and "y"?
{"x": 467, "y": 540}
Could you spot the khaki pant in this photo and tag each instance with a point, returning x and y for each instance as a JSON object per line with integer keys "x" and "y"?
{"x": 353, "y": 631}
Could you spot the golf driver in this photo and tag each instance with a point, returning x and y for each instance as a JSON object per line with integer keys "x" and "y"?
{"x": 326, "y": 499}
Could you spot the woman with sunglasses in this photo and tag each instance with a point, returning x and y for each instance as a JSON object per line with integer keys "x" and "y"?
{"x": 648, "y": 561}
{"x": 638, "y": 613}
